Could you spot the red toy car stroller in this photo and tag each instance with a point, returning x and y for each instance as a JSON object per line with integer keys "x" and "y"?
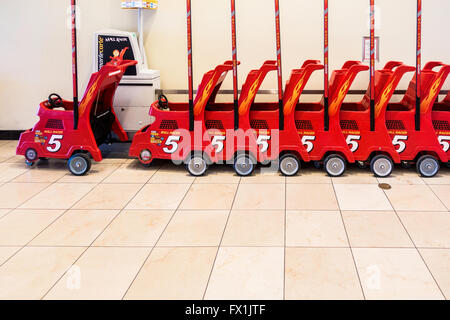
{"x": 374, "y": 146}
{"x": 417, "y": 146}
{"x": 62, "y": 133}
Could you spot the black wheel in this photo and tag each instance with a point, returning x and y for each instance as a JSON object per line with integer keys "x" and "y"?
{"x": 244, "y": 165}
{"x": 196, "y": 165}
{"x": 361, "y": 164}
{"x": 289, "y": 165}
{"x": 381, "y": 166}
{"x": 317, "y": 164}
{"x": 427, "y": 166}
{"x": 335, "y": 165}
{"x": 79, "y": 164}
{"x": 406, "y": 165}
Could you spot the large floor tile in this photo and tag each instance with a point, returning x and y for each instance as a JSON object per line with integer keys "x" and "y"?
{"x": 133, "y": 172}
{"x": 98, "y": 173}
{"x": 308, "y": 176}
{"x": 13, "y": 195}
{"x": 174, "y": 273}
{"x": 428, "y": 229}
{"x": 75, "y": 228}
{"x": 315, "y": 229}
{"x": 443, "y": 177}
{"x": 395, "y": 274}
{"x": 159, "y": 196}
{"x": 194, "y": 229}
{"x": 33, "y": 271}
{"x": 254, "y": 228}
{"x": 438, "y": 261}
{"x": 443, "y": 193}
{"x": 104, "y": 273}
{"x": 356, "y": 176}
{"x": 219, "y": 174}
{"x": 402, "y": 176}
{"x": 209, "y": 196}
{"x": 260, "y": 196}
{"x": 375, "y": 229}
{"x": 321, "y": 273}
{"x": 9, "y": 171}
{"x": 59, "y": 196}
{"x": 41, "y": 175}
{"x": 135, "y": 228}
{"x": 108, "y": 196}
{"x": 170, "y": 173}
{"x": 414, "y": 198}
{"x": 265, "y": 175}
{"x": 247, "y": 273}
{"x": 21, "y": 226}
{"x": 6, "y": 253}
{"x": 361, "y": 197}
{"x": 311, "y": 197}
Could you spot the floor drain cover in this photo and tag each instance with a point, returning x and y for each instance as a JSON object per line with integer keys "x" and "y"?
{"x": 384, "y": 186}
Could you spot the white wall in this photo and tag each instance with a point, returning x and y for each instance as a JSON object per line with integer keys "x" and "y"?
{"x": 35, "y": 46}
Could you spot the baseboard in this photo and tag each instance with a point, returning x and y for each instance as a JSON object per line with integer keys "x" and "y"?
{"x": 10, "y": 134}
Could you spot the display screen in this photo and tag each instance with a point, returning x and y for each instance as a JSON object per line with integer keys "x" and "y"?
{"x": 108, "y": 46}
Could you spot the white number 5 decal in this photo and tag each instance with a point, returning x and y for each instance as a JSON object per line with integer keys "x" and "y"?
{"x": 400, "y": 142}
{"x": 172, "y": 141}
{"x": 306, "y": 140}
{"x": 217, "y": 143}
{"x": 443, "y": 140}
{"x": 352, "y": 141}
{"x": 54, "y": 144}
{"x": 262, "y": 141}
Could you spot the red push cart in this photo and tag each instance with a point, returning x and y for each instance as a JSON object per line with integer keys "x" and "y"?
{"x": 55, "y": 135}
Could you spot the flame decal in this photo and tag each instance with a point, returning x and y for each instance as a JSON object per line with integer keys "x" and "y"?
{"x": 206, "y": 92}
{"x": 251, "y": 95}
{"x": 290, "y": 104}
{"x": 334, "y": 106}
{"x": 426, "y": 103}
{"x": 383, "y": 99}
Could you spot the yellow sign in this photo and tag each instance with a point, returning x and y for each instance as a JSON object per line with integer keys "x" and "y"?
{"x": 140, "y": 4}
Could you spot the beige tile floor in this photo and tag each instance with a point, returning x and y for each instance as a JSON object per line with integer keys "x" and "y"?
{"x": 128, "y": 232}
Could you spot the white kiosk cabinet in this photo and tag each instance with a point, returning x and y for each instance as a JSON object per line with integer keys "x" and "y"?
{"x": 136, "y": 91}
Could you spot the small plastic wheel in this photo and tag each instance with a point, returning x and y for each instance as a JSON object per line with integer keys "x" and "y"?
{"x": 406, "y": 165}
{"x": 334, "y": 165}
{"x": 361, "y": 164}
{"x": 289, "y": 165}
{"x": 427, "y": 166}
{"x": 381, "y": 166}
{"x": 244, "y": 165}
{"x": 79, "y": 164}
{"x": 30, "y": 163}
{"x": 317, "y": 164}
{"x": 196, "y": 165}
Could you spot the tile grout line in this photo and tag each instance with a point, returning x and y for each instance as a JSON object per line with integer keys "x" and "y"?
{"x": 415, "y": 247}
{"x": 92, "y": 242}
{"x": 440, "y": 200}
{"x": 17, "y": 208}
{"x": 157, "y": 240}
{"x": 349, "y": 243}
{"x": 221, "y": 239}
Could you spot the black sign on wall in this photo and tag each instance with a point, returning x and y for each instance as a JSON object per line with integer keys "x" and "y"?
{"x": 106, "y": 47}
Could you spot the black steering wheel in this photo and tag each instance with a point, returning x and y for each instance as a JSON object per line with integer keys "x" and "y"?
{"x": 163, "y": 102}
{"x": 55, "y": 101}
